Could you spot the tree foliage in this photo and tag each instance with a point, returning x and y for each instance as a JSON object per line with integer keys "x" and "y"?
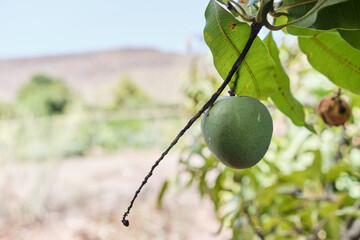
{"x": 307, "y": 186}
{"x": 44, "y": 96}
{"x": 128, "y": 94}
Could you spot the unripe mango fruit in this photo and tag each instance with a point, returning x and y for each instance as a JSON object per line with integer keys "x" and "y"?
{"x": 237, "y": 131}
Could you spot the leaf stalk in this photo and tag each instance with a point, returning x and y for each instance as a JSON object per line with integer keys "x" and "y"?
{"x": 276, "y": 28}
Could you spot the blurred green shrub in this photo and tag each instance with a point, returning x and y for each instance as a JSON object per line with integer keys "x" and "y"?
{"x": 128, "y": 94}
{"x": 306, "y": 187}
{"x": 44, "y": 96}
{"x": 6, "y": 110}
{"x": 2, "y": 109}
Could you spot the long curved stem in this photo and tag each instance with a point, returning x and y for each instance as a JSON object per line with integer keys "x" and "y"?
{"x": 276, "y": 28}
{"x": 255, "y": 28}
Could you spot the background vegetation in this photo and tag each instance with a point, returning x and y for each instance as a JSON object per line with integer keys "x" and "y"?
{"x": 65, "y": 126}
{"x": 306, "y": 187}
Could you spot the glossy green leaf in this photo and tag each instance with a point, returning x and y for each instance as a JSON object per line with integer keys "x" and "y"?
{"x": 351, "y": 37}
{"x": 329, "y": 54}
{"x": 299, "y": 8}
{"x": 283, "y": 98}
{"x": 299, "y": 31}
{"x": 226, "y": 38}
{"x": 345, "y": 15}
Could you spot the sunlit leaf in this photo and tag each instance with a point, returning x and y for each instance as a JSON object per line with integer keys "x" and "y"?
{"x": 226, "y": 38}
{"x": 296, "y": 178}
{"x": 217, "y": 188}
{"x": 271, "y": 223}
{"x": 283, "y": 98}
{"x": 300, "y": 31}
{"x": 315, "y": 167}
{"x": 203, "y": 187}
{"x": 266, "y": 195}
{"x": 329, "y": 54}
{"x": 327, "y": 208}
{"x": 335, "y": 171}
{"x": 332, "y": 228}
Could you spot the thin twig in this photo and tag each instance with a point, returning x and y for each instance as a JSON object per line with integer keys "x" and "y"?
{"x": 256, "y": 228}
{"x": 255, "y": 28}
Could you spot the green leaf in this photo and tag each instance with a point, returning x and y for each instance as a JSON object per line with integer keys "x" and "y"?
{"x": 226, "y": 38}
{"x": 296, "y": 178}
{"x": 335, "y": 171}
{"x": 283, "y": 98}
{"x": 351, "y": 37}
{"x": 317, "y": 163}
{"x": 344, "y": 15}
{"x": 223, "y": 1}
{"x": 161, "y": 194}
{"x": 300, "y": 31}
{"x": 299, "y": 8}
{"x": 316, "y": 166}
{"x": 329, "y": 54}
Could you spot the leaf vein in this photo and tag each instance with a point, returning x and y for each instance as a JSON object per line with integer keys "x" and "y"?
{"x": 236, "y": 50}
{"x": 298, "y": 4}
{"x": 328, "y": 50}
{"x": 252, "y": 77}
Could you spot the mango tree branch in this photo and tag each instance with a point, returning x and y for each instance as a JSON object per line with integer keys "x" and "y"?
{"x": 255, "y": 28}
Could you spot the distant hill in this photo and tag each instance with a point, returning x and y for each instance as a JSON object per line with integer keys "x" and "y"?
{"x": 94, "y": 74}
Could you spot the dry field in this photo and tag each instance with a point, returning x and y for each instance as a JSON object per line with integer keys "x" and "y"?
{"x": 84, "y": 199}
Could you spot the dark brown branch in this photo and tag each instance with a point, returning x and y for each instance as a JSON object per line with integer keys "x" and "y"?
{"x": 255, "y": 28}
{"x": 257, "y": 229}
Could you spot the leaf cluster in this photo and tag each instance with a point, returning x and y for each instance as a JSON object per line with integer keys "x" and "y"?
{"x": 285, "y": 200}
{"x": 327, "y": 31}
{"x": 307, "y": 186}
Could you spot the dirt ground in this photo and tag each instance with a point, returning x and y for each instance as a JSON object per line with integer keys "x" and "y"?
{"x": 84, "y": 199}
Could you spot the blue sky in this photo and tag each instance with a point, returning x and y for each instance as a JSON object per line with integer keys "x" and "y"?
{"x": 42, "y": 27}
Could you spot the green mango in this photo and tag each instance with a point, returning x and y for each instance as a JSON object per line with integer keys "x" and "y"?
{"x": 237, "y": 130}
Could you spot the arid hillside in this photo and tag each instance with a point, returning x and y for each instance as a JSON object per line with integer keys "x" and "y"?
{"x": 94, "y": 74}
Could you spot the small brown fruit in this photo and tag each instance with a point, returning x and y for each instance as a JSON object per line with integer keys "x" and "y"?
{"x": 334, "y": 111}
